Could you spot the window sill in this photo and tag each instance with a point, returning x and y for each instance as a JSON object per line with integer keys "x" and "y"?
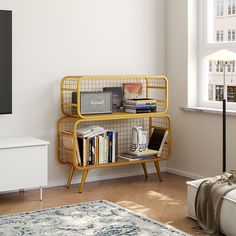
{"x": 208, "y": 110}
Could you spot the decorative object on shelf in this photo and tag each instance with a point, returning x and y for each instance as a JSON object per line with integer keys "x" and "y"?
{"x": 139, "y": 139}
{"x": 95, "y": 102}
{"x": 117, "y": 97}
{"x": 132, "y": 90}
{"x": 81, "y": 219}
{"x": 224, "y": 57}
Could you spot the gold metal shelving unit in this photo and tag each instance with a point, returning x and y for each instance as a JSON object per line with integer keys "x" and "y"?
{"x": 122, "y": 122}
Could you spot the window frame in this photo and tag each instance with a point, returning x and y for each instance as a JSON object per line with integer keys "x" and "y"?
{"x": 207, "y": 45}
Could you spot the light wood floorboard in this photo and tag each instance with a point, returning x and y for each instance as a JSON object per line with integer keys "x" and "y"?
{"x": 162, "y": 201}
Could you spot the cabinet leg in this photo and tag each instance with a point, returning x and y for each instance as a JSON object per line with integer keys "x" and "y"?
{"x": 72, "y": 171}
{"x": 84, "y": 176}
{"x": 157, "y": 165}
{"x": 145, "y": 170}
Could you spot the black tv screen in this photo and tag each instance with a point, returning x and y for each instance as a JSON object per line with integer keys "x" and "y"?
{"x": 5, "y": 62}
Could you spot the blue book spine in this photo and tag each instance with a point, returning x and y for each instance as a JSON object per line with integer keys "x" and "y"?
{"x": 110, "y": 146}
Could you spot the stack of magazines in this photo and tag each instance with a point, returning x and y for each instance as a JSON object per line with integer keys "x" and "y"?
{"x": 90, "y": 131}
{"x": 140, "y": 105}
{"x": 145, "y": 155}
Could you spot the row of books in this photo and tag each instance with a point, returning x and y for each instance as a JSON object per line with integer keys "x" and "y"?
{"x": 95, "y": 145}
{"x": 142, "y": 105}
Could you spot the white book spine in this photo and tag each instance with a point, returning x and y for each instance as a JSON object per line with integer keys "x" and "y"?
{"x": 104, "y": 149}
{"x": 100, "y": 144}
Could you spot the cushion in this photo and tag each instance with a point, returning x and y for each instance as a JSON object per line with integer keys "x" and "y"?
{"x": 228, "y": 208}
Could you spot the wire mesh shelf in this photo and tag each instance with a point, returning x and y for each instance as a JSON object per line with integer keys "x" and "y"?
{"x": 155, "y": 87}
{"x": 67, "y": 126}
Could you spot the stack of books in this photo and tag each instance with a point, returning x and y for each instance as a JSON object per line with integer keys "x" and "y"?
{"x": 145, "y": 155}
{"x": 90, "y": 131}
{"x": 140, "y": 105}
{"x": 94, "y": 145}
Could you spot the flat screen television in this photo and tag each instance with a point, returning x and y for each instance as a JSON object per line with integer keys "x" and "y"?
{"x": 5, "y": 62}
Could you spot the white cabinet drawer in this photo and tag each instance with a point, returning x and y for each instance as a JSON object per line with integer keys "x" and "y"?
{"x": 23, "y": 167}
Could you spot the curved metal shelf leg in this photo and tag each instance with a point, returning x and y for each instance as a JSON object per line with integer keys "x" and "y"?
{"x": 145, "y": 170}
{"x": 84, "y": 176}
{"x": 157, "y": 165}
{"x": 72, "y": 171}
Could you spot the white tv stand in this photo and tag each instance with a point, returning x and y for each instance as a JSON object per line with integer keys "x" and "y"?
{"x": 23, "y": 163}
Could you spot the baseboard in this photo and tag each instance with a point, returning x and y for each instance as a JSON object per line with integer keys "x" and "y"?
{"x": 93, "y": 178}
{"x": 184, "y": 173}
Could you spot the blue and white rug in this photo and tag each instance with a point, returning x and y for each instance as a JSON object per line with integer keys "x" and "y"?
{"x": 97, "y": 218}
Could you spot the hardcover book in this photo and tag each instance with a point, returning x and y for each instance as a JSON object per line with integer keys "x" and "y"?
{"x": 117, "y": 97}
{"x": 158, "y": 139}
{"x": 132, "y": 90}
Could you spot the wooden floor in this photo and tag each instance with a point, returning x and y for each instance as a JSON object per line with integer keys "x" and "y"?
{"x": 163, "y": 201}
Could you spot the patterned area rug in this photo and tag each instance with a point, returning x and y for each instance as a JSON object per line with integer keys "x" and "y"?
{"x": 97, "y": 218}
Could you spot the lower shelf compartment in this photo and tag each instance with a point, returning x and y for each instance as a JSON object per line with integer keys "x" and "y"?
{"x": 122, "y": 127}
{"x": 67, "y": 154}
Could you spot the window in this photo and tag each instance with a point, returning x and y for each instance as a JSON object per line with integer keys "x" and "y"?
{"x": 210, "y": 66}
{"x": 231, "y": 35}
{"x": 219, "y": 36}
{"x": 219, "y": 92}
{"x": 210, "y": 94}
{"x": 229, "y": 67}
{"x": 220, "y": 8}
{"x": 217, "y": 31}
{"x": 219, "y": 67}
{"x": 231, "y": 7}
{"x": 231, "y": 93}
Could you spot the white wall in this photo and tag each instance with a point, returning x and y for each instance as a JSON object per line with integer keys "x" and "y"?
{"x": 197, "y": 137}
{"x": 54, "y": 38}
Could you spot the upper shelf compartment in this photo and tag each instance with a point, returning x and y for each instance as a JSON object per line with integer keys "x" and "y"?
{"x": 154, "y": 87}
